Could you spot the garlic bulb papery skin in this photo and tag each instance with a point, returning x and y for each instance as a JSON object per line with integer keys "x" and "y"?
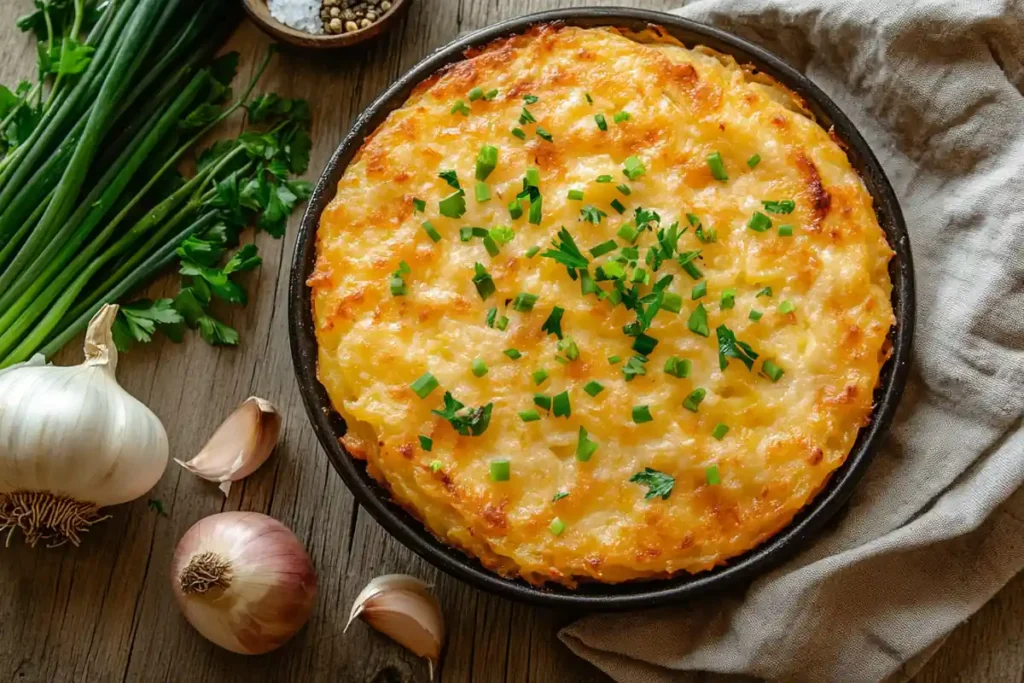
{"x": 244, "y": 581}
{"x": 72, "y": 441}
{"x": 240, "y": 445}
{"x": 401, "y": 607}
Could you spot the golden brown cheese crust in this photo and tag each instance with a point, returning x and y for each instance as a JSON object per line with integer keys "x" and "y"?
{"x": 785, "y": 437}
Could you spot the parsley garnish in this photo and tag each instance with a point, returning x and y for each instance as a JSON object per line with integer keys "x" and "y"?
{"x": 657, "y": 483}
{"x": 560, "y": 405}
{"x": 454, "y": 205}
{"x": 634, "y": 366}
{"x": 730, "y": 347}
{"x": 698, "y": 321}
{"x": 450, "y": 177}
{"x": 157, "y": 506}
{"x": 466, "y": 421}
{"x": 592, "y": 214}
{"x": 566, "y": 252}
{"x": 553, "y": 325}
{"x": 767, "y": 291}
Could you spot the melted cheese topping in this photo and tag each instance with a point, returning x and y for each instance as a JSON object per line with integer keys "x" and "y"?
{"x": 784, "y": 438}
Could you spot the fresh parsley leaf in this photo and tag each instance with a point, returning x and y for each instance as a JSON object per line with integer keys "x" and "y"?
{"x": 730, "y": 347}
{"x": 466, "y": 420}
{"x": 138, "y": 321}
{"x": 553, "y": 324}
{"x": 157, "y": 506}
{"x": 566, "y": 252}
{"x": 450, "y": 177}
{"x": 657, "y": 483}
{"x": 592, "y": 214}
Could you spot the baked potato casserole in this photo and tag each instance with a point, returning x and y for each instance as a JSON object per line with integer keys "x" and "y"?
{"x": 596, "y": 306}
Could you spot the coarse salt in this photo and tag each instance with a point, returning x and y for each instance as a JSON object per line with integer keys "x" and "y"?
{"x": 302, "y": 15}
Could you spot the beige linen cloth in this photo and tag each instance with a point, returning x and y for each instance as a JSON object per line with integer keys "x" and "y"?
{"x": 936, "y": 528}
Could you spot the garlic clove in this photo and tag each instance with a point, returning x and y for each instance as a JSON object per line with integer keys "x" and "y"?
{"x": 240, "y": 445}
{"x": 402, "y": 608}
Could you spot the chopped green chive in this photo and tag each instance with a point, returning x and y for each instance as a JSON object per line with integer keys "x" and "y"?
{"x": 524, "y": 302}
{"x": 559, "y": 496}
{"x": 435, "y": 465}
{"x": 540, "y": 376}
{"x": 501, "y": 469}
{"x": 519, "y": 133}
{"x": 419, "y": 205}
{"x": 624, "y": 189}
{"x": 431, "y": 231}
{"x": 532, "y": 251}
{"x": 585, "y": 448}
{"x": 767, "y": 291}
{"x": 640, "y": 275}
{"x": 529, "y": 415}
{"x": 515, "y": 208}
{"x": 787, "y": 306}
{"x": 535, "y": 211}
{"x": 491, "y": 246}
{"x": 544, "y": 135}
{"x": 526, "y": 117}
{"x": 602, "y": 124}
{"x": 568, "y": 346}
{"x": 670, "y": 301}
{"x": 698, "y": 321}
{"x": 644, "y": 344}
{"x": 491, "y": 94}
{"x": 692, "y": 402}
{"x": 731, "y": 347}
{"x": 699, "y": 290}
{"x": 783, "y": 206}
{"x": 628, "y": 231}
{"x": 785, "y": 231}
{"x": 678, "y": 367}
{"x": 759, "y": 222}
{"x": 622, "y": 116}
{"x": 754, "y": 160}
{"x": 424, "y": 385}
{"x": 492, "y": 314}
{"x": 711, "y": 473}
{"x": 557, "y": 526}
{"x": 542, "y": 401}
{"x": 618, "y": 206}
{"x": 593, "y": 387}
{"x": 560, "y": 405}
{"x": 633, "y": 168}
{"x": 728, "y": 299}
{"x": 460, "y": 107}
{"x": 514, "y": 354}
{"x": 603, "y": 248}
{"x": 397, "y": 282}
{"x": 426, "y": 443}
{"x": 502, "y": 234}
{"x": 717, "y": 167}
{"x": 773, "y": 371}
{"x": 483, "y": 281}
{"x": 687, "y": 261}
{"x": 755, "y": 315}
{"x": 531, "y": 99}
{"x": 486, "y": 161}
{"x": 502, "y": 323}
{"x": 590, "y": 100}
{"x": 553, "y": 324}
{"x": 575, "y": 195}
{"x": 641, "y": 414}
{"x": 483, "y": 193}
{"x": 603, "y": 179}
{"x": 479, "y": 367}
{"x": 720, "y": 431}
{"x": 613, "y": 360}
{"x": 476, "y": 94}
{"x": 633, "y": 367}
{"x": 454, "y": 205}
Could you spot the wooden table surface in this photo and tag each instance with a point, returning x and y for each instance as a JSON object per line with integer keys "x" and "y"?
{"x": 104, "y": 611}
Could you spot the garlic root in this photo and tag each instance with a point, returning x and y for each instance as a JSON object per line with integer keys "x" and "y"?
{"x": 45, "y": 516}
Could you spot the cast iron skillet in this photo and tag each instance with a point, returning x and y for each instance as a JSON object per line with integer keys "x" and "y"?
{"x": 329, "y": 426}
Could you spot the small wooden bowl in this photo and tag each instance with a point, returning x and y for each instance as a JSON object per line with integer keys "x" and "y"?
{"x": 260, "y": 14}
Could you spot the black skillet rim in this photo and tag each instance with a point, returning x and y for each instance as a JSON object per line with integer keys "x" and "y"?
{"x": 640, "y": 594}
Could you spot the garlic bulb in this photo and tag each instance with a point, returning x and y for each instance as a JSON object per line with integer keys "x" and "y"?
{"x": 73, "y": 441}
{"x": 240, "y": 445}
{"x": 244, "y": 581}
{"x": 401, "y": 607}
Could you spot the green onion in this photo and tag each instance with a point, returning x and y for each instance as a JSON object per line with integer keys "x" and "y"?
{"x": 515, "y": 209}
{"x": 593, "y": 387}
{"x": 540, "y": 376}
{"x": 502, "y": 323}
{"x": 603, "y": 248}
{"x": 460, "y": 107}
{"x": 787, "y": 306}
{"x": 720, "y": 431}
{"x": 698, "y": 321}
{"x": 785, "y": 231}
{"x": 692, "y": 402}
{"x": 755, "y": 315}
{"x": 486, "y": 161}
{"x": 530, "y": 415}
{"x": 633, "y": 167}
{"x": 572, "y": 352}
{"x": 465, "y": 234}
{"x": 535, "y": 211}
{"x": 640, "y": 275}
{"x": 699, "y": 290}
{"x": 483, "y": 281}
{"x": 454, "y": 205}
{"x": 524, "y": 302}
{"x": 560, "y": 405}
{"x": 531, "y": 99}
{"x": 644, "y": 344}
{"x": 603, "y": 179}
{"x": 553, "y": 323}
{"x": 585, "y": 447}
{"x": 424, "y": 385}
{"x": 590, "y": 100}
{"x": 759, "y": 222}
{"x": 526, "y": 117}
{"x": 426, "y": 443}
{"x": 542, "y": 401}
{"x": 602, "y": 124}
{"x": 557, "y": 526}
{"x": 687, "y": 261}
{"x": 641, "y": 414}
{"x": 783, "y": 206}
{"x": 519, "y": 133}
{"x": 678, "y": 367}
{"x": 671, "y": 301}
{"x": 491, "y": 94}
{"x": 628, "y": 231}
{"x": 624, "y": 189}
{"x": 419, "y": 205}
{"x": 476, "y": 94}
{"x": 767, "y": 291}
{"x": 501, "y": 469}
{"x": 622, "y": 116}
{"x": 613, "y": 360}
{"x": 754, "y": 160}
{"x": 711, "y": 473}
{"x": 483, "y": 193}
{"x": 435, "y": 465}
{"x": 479, "y": 367}
{"x": 492, "y": 314}
{"x": 773, "y": 371}
{"x": 502, "y": 234}
{"x": 728, "y": 299}
{"x": 491, "y": 246}
{"x": 544, "y": 135}
{"x": 618, "y": 206}
{"x": 532, "y": 251}
{"x": 575, "y": 195}
{"x": 717, "y": 167}
{"x": 431, "y": 231}
{"x": 514, "y": 354}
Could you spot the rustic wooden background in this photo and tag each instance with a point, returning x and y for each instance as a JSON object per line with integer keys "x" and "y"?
{"x": 104, "y": 612}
